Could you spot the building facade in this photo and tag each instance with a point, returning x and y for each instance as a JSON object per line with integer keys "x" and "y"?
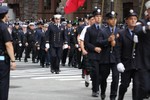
{"x": 45, "y": 9}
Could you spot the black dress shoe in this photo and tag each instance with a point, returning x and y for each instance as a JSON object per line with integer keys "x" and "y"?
{"x": 42, "y": 65}
{"x": 83, "y": 76}
{"x": 19, "y": 59}
{"x": 112, "y": 99}
{"x": 69, "y": 64}
{"x": 95, "y": 94}
{"x": 25, "y": 60}
{"x": 47, "y": 65}
{"x": 57, "y": 72}
{"x": 103, "y": 96}
{"x": 86, "y": 84}
{"x": 52, "y": 71}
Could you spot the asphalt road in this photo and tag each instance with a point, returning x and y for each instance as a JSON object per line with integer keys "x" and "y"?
{"x": 31, "y": 82}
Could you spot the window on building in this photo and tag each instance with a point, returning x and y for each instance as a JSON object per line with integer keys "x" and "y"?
{"x": 47, "y": 4}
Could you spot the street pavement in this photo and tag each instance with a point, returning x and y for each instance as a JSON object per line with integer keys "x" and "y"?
{"x": 31, "y": 82}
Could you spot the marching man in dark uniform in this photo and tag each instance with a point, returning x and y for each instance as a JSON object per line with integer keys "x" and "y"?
{"x": 17, "y": 36}
{"x": 38, "y": 34}
{"x": 23, "y": 39}
{"x": 6, "y": 54}
{"x": 94, "y": 51}
{"x": 56, "y": 37}
{"x": 143, "y": 54}
{"x": 85, "y": 61}
{"x": 30, "y": 42}
{"x": 127, "y": 41}
{"x": 43, "y": 50}
{"x": 68, "y": 32}
{"x": 109, "y": 55}
{"x": 72, "y": 42}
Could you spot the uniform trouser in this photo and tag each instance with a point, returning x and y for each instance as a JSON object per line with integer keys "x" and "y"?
{"x": 28, "y": 50}
{"x": 16, "y": 49}
{"x": 72, "y": 55}
{"x": 35, "y": 53}
{"x": 55, "y": 53}
{"x": 47, "y": 57}
{"x": 64, "y": 56}
{"x": 43, "y": 56}
{"x": 21, "y": 51}
{"x": 144, "y": 79}
{"x": 95, "y": 75}
{"x": 105, "y": 71}
{"x": 4, "y": 80}
{"x": 126, "y": 78}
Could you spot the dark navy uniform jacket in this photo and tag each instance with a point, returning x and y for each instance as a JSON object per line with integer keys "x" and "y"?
{"x": 38, "y": 35}
{"x": 71, "y": 36}
{"x": 56, "y": 35}
{"x": 17, "y": 35}
{"x": 30, "y": 36}
{"x": 143, "y": 47}
{"x": 126, "y": 49}
{"x": 106, "y": 56}
{"x": 91, "y": 42}
{"x": 43, "y": 41}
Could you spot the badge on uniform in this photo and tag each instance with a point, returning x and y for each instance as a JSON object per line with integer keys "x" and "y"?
{"x": 2, "y": 58}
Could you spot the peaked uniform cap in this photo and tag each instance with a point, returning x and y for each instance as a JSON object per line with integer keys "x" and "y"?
{"x": 147, "y": 4}
{"x": 3, "y": 9}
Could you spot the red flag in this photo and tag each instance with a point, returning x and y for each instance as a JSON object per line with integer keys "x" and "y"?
{"x": 73, "y": 5}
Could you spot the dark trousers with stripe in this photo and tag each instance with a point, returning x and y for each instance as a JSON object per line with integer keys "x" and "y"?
{"x": 4, "y": 80}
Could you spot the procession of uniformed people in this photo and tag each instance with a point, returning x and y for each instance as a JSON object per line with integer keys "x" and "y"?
{"x": 97, "y": 47}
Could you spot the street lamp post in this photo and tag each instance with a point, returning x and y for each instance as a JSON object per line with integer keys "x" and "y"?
{"x": 112, "y": 5}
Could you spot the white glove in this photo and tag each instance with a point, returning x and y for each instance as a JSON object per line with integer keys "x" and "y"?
{"x": 38, "y": 48}
{"x": 65, "y": 46}
{"x": 120, "y": 67}
{"x": 20, "y": 44}
{"x": 47, "y": 45}
{"x": 135, "y": 38}
{"x": 26, "y": 44}
{"x": 76, "y": 45}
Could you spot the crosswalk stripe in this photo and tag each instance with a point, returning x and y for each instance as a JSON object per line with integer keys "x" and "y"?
{"x": 66, "y": 74}
{"x": 56, "y": 77}
{"x": 70, "y": 79}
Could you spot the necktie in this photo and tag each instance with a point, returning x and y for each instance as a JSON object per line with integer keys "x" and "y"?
{"x": 98, "y": 27}
{"x": 132, "y": 34}
{"x": 112, "y": 29}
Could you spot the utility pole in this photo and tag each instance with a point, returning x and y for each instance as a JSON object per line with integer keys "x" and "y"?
{"x": 103, "y": 2}
{"x": 141, "y": 11}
